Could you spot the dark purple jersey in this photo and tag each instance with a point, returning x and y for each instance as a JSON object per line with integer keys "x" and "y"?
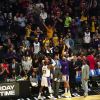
{"x": 65, "y": 67}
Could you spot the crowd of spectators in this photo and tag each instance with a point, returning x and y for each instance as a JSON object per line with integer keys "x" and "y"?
{"x": 32, "y": 29}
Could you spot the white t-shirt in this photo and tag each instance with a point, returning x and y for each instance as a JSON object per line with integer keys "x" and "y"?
{"x": 27, "y": 64}
{"x": 49, "y": 51}
{"x": 22, "y": 21}
{"x": 36, "y": 47}
{"x": 87, "y": 37}
{"x": 15, "y": 18}
{"x": 43, "y": 15}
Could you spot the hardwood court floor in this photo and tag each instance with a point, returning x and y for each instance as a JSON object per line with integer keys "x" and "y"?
{"x": 94, "y": 97}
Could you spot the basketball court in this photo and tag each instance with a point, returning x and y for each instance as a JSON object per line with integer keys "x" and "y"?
{"x": 94, "y": 97}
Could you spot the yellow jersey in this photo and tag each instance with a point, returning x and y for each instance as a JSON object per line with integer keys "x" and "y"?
{"x": 28, "y": 32}
{"x": 50, "y": 32}
{"x": 93, "y": 27}
{"x": 55, "y": 41}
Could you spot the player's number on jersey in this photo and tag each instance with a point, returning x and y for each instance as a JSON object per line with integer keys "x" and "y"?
{"x": 44, "y": 71}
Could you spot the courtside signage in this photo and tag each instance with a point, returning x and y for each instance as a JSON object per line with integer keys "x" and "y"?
{"x": 8, "y": 89}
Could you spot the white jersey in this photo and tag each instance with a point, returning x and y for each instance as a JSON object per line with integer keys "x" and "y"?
{"x": 36, "y": 47}
{"x": 45, "y": 71}
{"x": 26, "y": 65}
{"x": 87, "y": 37}
{"x": 21, "y": 21}
{"x": 43, "y": 15}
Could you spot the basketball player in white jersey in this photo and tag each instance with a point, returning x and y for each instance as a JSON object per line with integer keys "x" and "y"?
{"x": 45, "y": 81}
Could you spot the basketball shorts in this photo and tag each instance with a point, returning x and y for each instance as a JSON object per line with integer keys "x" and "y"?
{"x": 45, "y": 81}
{"x": 65, "y": 78}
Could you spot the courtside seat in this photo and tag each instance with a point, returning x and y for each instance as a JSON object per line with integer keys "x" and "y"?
{"x": 78, "y": 76}
{"x": 92, "y": 73}
{"x": 95, "y": 76}
{"x": 78, "y": 79}
{"x": 98, "y": 72}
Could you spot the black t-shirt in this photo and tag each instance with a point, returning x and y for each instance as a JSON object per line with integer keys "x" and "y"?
{"x": 78, "y": 64}
{"x": 3, "y": 75}
{"x": 59, "y": 25}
